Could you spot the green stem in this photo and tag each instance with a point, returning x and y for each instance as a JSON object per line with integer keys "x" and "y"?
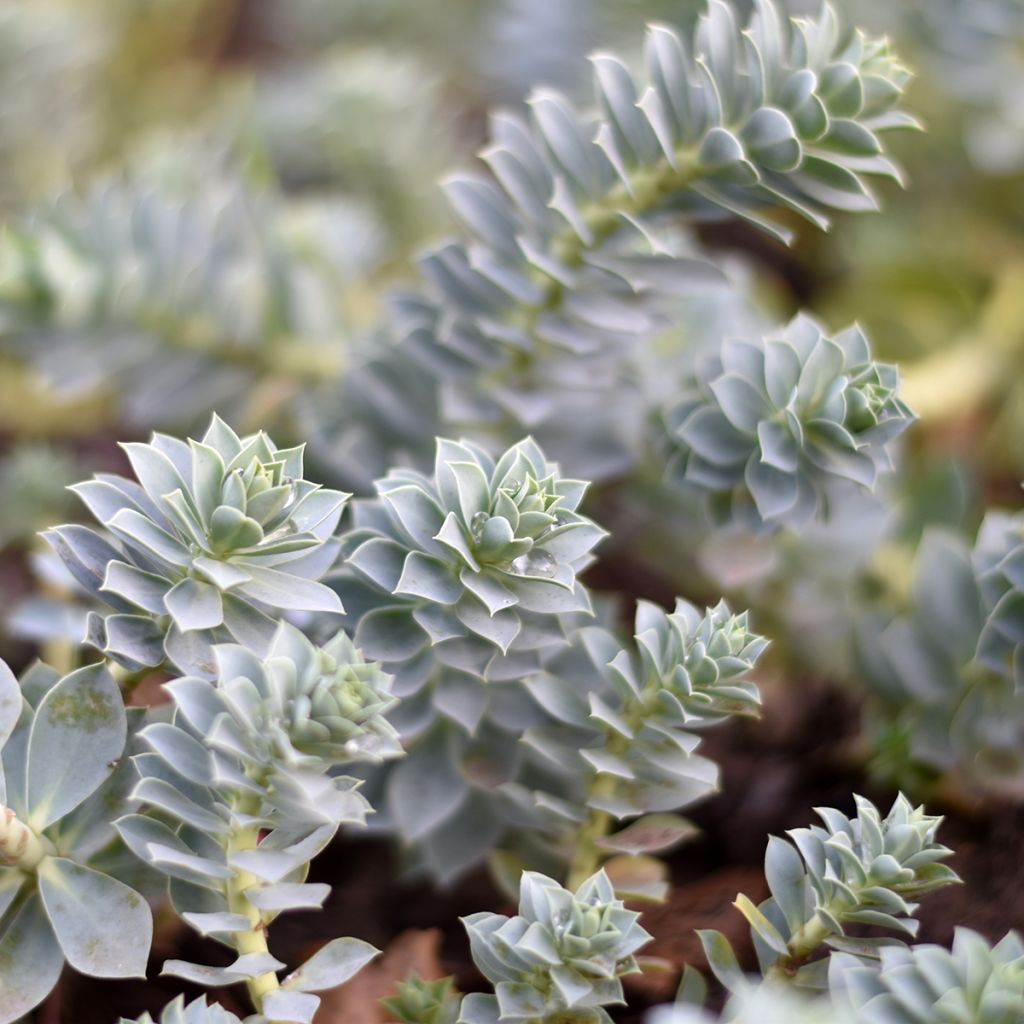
{"x": 805, "y": 940}
{"x": 588, "y": 854}
{"x": 281, "y": 355}
{"x": 651, "y": 186}
{"x": 254, "y": 940}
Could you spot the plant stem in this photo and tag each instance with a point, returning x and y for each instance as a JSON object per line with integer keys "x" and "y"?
{"x": 806, "y": 939}
{"x": 603, "y": 217}
{"x": 587, "y": 857}
{"x": 588, "y": 854}
{"x": 254, "y": 940}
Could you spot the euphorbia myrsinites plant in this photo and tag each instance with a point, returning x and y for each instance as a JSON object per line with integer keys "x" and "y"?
{"x": 431, "y": 660}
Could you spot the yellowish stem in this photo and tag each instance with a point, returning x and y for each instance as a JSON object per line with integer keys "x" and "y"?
{"x": 975, "y": 372}
{"x": 588, "y": 854}
{"x": 806, "y": 939}
{"x": 254, "y": 940}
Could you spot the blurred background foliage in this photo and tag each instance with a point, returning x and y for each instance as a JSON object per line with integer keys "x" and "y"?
{"x": 205, "y": 203}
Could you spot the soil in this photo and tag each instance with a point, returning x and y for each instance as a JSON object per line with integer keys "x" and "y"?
{"x": 774, "y": 773}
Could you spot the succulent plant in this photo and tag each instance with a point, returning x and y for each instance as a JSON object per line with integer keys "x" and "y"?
{"x": 247, "y": 771}
{"x": 853, "y": 871}
{"x": 196, "y": 1012}
{"x": 696, "y": 664}
{"x": 62, "y": 897}
{"x": 769, "y": 429}
{"x": 560, "y": 958}
{"x": 566, "y": 264}
{"x": 286, "y": 721}
{"x": 215, "y": 538}
{"x": 999, "y": 563}
{"x": 419, "y": 1001}
{"x": 469, "y": 557}
{"x": 973, "y": 983}
{"x": 618, "y": 740}
{"x": 167, "y": 301}
{"x": 221, "y": 566}
{"x": 461, "y": 584}
{"x": 941, "y": 673}
{"x": 764, "y": 1003}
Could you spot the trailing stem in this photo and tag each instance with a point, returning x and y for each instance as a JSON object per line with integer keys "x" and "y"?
{"x": 603, "y": 217}
{"x": 588, "y": 854}
{"x": 254, "y": 940}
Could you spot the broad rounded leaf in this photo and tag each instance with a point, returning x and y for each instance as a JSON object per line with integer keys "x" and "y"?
{"x": 77, "y": 737}
{"x": 30, "y": 962}
{"x": 103, "y": 926}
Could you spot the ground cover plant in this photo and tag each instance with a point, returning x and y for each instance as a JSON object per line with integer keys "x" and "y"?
{"x": 474, "y": 637}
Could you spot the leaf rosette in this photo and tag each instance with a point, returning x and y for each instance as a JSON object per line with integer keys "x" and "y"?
{"x": 560, "y": 958}
{"x": 972, "y": 983}
{"x": 196, "y": 1012}
{"x": 419, "y": 1001}
{"x": 212, "y": 539}
{"x": 864, "y": 870}
{"x": 769, "y": 430}
{"x": 270, "y": 732}
{"x": 620, "y": 732}
{"x": 303, "y": 706}
{"x": 468, "y": 562}
{"x": 695, "y": 663}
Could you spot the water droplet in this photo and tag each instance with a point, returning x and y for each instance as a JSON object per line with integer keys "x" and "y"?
{"x": 512, "y": 485}
{"x": 477, "y": 524}
{"x": 536, "y": 563}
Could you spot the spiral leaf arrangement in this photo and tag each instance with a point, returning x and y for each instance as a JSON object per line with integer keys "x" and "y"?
{"x": 560, "y": 958}
{"x": 564, "y": 263}
{"x": 211, "y": 539}
{"x": 461, "y": 583}
{"x": 851, "y": 871}
{"x": 621, "y": 725}
{"x": 246, "y": 772}
{"x": 767, "y": 430}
